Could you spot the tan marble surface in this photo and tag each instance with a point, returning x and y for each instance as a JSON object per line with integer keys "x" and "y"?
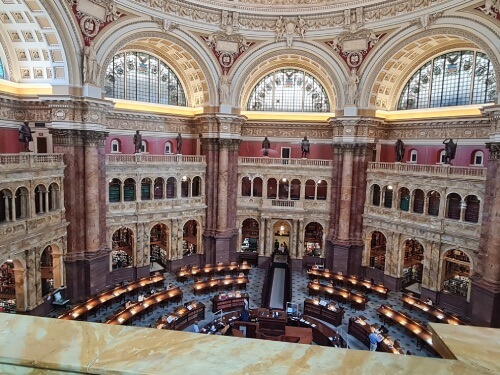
{"x": 97, "y": 348}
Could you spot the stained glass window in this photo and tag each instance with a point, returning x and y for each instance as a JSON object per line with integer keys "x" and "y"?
{"x": 289, "y": 90}
{"x": 455, "y": 78}
{"x": 141, "y": 77}
{"x": 1, "y": 70}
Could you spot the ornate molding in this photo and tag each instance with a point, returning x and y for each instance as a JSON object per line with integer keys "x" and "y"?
{"x": 70, "y": 137}
{"x": 354, "y": 47}
{"x": 226, "y": 48}
{"x": 288, "y": 28}
{"x": 286, "y": 130}
{"x": 491, "y": 8}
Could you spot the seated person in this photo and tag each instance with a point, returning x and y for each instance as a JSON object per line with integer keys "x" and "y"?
{"x": 140, "y": 298}
{"x": 429, "y": 302}
{"x": 170, "y": 286}
{"x": 128, "y": 304}
{"x": 196, "y": 327}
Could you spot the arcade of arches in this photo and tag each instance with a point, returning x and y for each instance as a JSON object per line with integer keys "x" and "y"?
{"x": 223, "y": 103}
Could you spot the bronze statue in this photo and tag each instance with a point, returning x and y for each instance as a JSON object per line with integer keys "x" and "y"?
{"x": 179, "y": 143}
{"x": 400, "y": 150}
{"x": 450, "y": 148}
{"x": 305, "y": 147}
{"x": 25, "y": 135}
{"x": 266, "y": 145}
{"x": 138, "y": 142}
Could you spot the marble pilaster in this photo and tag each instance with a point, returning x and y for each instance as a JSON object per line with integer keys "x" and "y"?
{"x": 485, "y": 295}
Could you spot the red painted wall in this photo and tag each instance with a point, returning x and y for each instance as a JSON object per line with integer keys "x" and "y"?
{"x": 316, "y": 151}
{"x": 430, "y": 154}
{"x": 156, "y": 145}
{"x": 9, "y": 143}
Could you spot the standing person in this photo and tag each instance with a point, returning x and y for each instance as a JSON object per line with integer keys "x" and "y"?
{"x": 25, "y": 135}
{"x": 352, "y": 87}
{"x": 179, "y": 143}
{"x": 137, "y": 142}
{"x": 305, "y": 147}
{"x": 374, "y": 340}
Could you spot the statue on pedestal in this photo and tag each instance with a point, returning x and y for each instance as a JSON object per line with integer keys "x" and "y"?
{"x": 138, "y": 142}
{"x": 266, "y": 145}
{"x": 450, "y": 149}
{"x": 179, "y": 143}
{"x": 25, "y": 135}
{"x": 305, "y": 147}
{"x": 400, "y": 150}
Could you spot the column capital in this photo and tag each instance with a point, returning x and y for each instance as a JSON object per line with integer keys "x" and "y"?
{"x": 494, "y": 148}
{"x": 219, "y": 125}
{"x": 352, "y": 148}
{"x": 355, "y": 129}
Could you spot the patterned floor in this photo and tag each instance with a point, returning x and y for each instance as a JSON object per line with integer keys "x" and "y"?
{"x": 299, "y": 292}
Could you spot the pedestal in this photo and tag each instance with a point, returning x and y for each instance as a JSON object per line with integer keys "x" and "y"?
{"x": 485, "y": 306}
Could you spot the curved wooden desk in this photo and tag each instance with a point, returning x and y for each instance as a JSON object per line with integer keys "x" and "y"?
{"x": 357, "y": 301}
{"x": 322, "y": 334}
{"x": 434, "y": 312}
{"x": 183, "y": 316}
{"x": 216, "y": 284}
{"x": 361, "y": 329}
{"x": 80, "y": 311}
{"x": 349, "y": 281}
{"x": 139, "y": 308}
{"x": 212, "y": 269}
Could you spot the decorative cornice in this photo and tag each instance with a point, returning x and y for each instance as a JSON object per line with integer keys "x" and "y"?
{"x": 70, "y": 137}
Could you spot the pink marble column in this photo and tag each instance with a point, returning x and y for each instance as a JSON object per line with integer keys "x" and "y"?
{"x": 222, "y": 185}
{"x": 345, "y": 195}
{"x": 92, "y": 221}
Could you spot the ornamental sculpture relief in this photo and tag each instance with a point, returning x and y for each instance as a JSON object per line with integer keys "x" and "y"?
{"x": 491, "y": 8}
{"x": 289, "y": 28}
{"x": 426, "y": 20}
{"x": 354, "y": 47}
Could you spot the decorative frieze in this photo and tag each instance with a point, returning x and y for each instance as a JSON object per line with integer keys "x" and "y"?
{"x": 494, "y": 149}
{"x": 70, "y": 137}
{"x": 354, "y": 47}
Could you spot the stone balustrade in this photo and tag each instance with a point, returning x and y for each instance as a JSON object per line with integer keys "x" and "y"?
{"x": 244, "y": 161}
{"x": 441, "y": 170}
{"x": 120, "y": 159}
{"x": 29, "y": 161}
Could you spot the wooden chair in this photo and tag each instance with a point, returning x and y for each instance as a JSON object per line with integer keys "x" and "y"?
{"x": 238, "y": 333}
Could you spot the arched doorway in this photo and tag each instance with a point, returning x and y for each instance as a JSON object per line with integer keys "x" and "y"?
{"x": 122, "y": 248}
{"x": 159, "y": 244}
{"x": 7, "y": 287}
{"x": 190, "y": 238}
{"x": 378, "y": 244}
{"x": 47, "y": 270}
{"x": 281, "y": 240}
{"x": 457, "y": 273}
{"x": 413, "y": 253}
{"x": 313, "y": 239}
{"x": 250, "y": 235}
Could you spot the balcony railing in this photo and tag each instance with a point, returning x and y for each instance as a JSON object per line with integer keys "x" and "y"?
{"x": 442, "y": 170}
{"x": 155, "y": 159}
{"x": 17, "y": 161}
{"x": 244, "y": 160}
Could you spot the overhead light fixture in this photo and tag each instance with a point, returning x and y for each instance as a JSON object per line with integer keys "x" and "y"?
{"x": 282, "y": 228}
{"x": 389, "y": 187}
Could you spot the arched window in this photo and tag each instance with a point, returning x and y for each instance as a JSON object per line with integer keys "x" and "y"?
{"x": 185, "y": 186}
{"x": 433, "y": 198}
{"x": 6, "y": 205}
{"x": 168, "y": 148}
{"x": 2, "y": 74}
{"x": 129, "y": 190}
{"x": 295, "y": 189}
{"x": 378, "y": 245}
{"x": 404, "y": 199}
{"x": 455, "y": 78}
{"x": 158, "y": 188}
{"x": 413, "y": 156}
{"x": 472, "y": 205}
{"x": 47, "y": 272}
{"x": 171, "y": 188}
{"x": 146, "y": 189}
{"x": 310, "y": 191}
{"x": 257, "y": 187}
{"x": 196, "y": 187}
{"x": 418, "y": 201}
{"x": 322, "y": 188}
{"x": 22, "y": 203}
{"x": 457, "y": 273}
{"x": 453, "y": 207}
{"x": 283, "y": 189}
{"x": 477, "y": 158}
{"x": 376, "y": 195}
{"x": 272, "y": 188}
{"x": 246, "y": 187}
{"x": 442, "y": 157}
{"x": 289, "y": 90}
{"x": 388, "y": 193}
{"x": 114, "y": 190}
{"x": 144, "y": 146}
{"x": 142, "y": 77}
{"x": 115, "y": 146}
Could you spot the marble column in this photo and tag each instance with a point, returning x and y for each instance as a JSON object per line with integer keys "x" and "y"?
{"x": 485, "y": 293}
{"x": 345, "y": 195}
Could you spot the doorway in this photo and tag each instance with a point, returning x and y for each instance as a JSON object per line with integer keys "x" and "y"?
{"x": 41, "y": 145}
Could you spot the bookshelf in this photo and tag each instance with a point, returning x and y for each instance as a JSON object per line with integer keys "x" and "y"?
{"x": 7, "y": 281}
{"x": 229, "y": 301}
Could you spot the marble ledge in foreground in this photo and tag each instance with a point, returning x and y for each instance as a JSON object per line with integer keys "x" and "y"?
{"x": 81, "y": 347}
